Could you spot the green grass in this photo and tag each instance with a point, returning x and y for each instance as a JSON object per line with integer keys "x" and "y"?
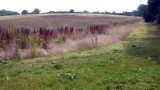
{"x": 133, "y": 64}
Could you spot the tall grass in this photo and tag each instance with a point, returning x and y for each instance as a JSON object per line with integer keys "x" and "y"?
{"x": 28, "y": 38}
{"x": 23, "y": 36}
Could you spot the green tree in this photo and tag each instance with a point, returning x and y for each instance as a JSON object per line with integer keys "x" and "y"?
{"x": 36, "y": 11}
{"x": 71, "y": 11}
{"x": 141, "y": 10}
{"x": 85, "y": 11}
{"x": 24, "y": 12}
{"x": 158, "y": 16}
{"x": 6, "y": 13}
{"x": 152, "y": 11}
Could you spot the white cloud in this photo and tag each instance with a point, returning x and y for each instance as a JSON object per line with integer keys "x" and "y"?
{"x": 78, "y": 5}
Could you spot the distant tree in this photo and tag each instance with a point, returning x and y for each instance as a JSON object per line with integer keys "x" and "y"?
{"x": 51, "y": 12}
{"x": 71, "y": 11}
{"x": 6, "y": 13}
{"x": 85, "y": 11}
{"x": 126, "y": 13}
{"x": 106, "y": 12}
{"x": 135, "y": 13}
{"x": 61, "y": 12}
{"x": 96, "y": 12}
{"x": 113, "y": 12}
{"x": 36, "y": 11}
{"x": 141, "y": 10}
{"x": 24, "y": 12}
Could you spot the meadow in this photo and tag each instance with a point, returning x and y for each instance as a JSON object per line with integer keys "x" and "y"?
{"x": 131, "y": 64}
{"x": 45, "y": 35}
{"x": 78, "y": 52}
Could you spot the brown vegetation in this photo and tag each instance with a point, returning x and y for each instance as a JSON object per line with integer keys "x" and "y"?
{"x": 25, "y": 37}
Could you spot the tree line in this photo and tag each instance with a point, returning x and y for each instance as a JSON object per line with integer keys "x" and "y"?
{"x": 152, "y": 11}
{"x": 37, "y": 11}
{"x": 6, "y": 13}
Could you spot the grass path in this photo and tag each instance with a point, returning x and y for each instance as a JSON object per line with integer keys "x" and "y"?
{"x": 133, "y": 64}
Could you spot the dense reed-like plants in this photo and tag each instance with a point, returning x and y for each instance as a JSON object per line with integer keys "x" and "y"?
{"x": 25, "y": 37}
{"x": 7, "y": 37}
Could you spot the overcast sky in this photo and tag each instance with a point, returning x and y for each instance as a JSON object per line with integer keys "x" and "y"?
{"x": 66, "y": 5}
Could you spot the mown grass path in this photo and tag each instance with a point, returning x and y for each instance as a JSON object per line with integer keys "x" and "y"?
{"x": 133, "y": 64}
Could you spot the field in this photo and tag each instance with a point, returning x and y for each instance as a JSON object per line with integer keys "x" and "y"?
{"x": 125, "y": 56}
{"x": 58, "y": 20}
{"x": 45, "y": 35}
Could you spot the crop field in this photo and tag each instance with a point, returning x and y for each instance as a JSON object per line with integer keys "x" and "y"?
{"x": 59, "y": 20}
{"x": 44, "y": 35}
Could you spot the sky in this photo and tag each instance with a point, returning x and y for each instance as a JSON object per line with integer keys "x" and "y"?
{"x": 66, "y": 5}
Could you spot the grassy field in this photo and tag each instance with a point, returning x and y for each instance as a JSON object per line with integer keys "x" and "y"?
{"x": 53, "y": 21}
{"x": 132, "y": 64}
{"x": 29, "y": 36}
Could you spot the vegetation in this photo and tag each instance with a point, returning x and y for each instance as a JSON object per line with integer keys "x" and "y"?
{"x": 6, "y": 13}
{"x": 80, "y": 51}
{"x": 36, "y": 11}
{"x": 24, "y": 12}
{"x": 149, "y": 12}
{"x": 71, "y": 11}
{"x": 24, "y": 38}
{"x": 24, "y": 41}
{"x": 131, "y": 64}
{"x": 20, "y": 35}
{"x": 139, "y": 12}
{"x": 152, "y": 11}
